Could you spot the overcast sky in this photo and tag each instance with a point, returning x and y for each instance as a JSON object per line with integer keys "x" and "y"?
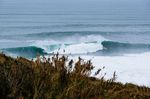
{"x": 76, "y": 4}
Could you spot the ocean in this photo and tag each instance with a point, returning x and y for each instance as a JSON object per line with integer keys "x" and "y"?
{"x": 115, "y": 36}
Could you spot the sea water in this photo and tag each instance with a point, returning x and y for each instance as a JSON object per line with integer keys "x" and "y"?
{"x": 116, "y": 33}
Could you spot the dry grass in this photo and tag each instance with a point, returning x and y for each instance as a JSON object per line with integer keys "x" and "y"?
{"x": 56, "y": 78}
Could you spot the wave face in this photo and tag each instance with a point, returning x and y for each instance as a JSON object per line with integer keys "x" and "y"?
{"x": 111, "y": 45}
{"x": 28, "y": 52}
{"x": 118, "y": 48}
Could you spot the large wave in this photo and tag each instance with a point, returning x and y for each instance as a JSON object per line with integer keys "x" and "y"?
{"x": 111, "y": 45}
{"x": 28, "y": 52}
{"x": 119, "y": 48}
{"x": 77, "y": 43}
{"x": 95, "y": 47}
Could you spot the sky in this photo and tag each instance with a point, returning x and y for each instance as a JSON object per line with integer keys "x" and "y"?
{"x": 74, "y": 5}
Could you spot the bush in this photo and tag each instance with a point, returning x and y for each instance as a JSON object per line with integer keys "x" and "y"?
{"x": 60, "y": 78}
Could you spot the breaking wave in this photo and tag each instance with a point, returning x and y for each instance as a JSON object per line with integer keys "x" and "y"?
{"x": 101, "y": 47}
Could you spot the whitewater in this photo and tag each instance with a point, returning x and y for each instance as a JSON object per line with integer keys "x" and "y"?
{"x": 131, "y": 68}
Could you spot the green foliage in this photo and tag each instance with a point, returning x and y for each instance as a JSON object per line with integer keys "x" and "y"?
{"x": 60, "y": 78}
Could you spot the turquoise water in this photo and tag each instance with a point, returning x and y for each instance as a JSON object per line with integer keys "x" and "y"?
{"x": 83, "y": 26}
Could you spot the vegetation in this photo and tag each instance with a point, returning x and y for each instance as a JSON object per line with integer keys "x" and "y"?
{"x": 60, "y": 78}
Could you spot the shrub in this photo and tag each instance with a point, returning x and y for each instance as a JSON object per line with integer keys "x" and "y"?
{"x": 60, "y": 78}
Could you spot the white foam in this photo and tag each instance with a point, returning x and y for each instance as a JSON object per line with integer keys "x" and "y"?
{"x": 80, "y": 38}
{"x": 81, "y": 48}
{"x": 7, "y": 41}
{"x": 133, "y": 68}
{"x": 44, "y": 44}
{"x": 77, "y": 44}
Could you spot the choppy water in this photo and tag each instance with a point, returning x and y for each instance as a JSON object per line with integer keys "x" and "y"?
{"x": 28, "y": 28}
